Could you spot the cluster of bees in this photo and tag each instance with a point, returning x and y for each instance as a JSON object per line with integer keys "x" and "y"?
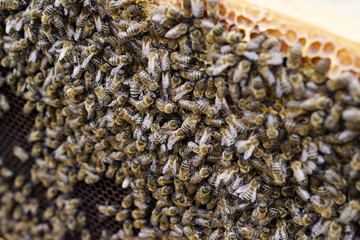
{"x": 216, "y": 137}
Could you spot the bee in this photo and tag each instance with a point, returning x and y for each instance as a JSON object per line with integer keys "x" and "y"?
{"x": 184, "y": 170}
{"x": 47, "y": 31}
{"x": 350, "y": 212}
{"x": 212, "y": 8}
{"x": 215, "y": 32}
{"x": 338, "y": 197}
{"x": 299, "y": 175}
{"x": 197, "y": 177}
{"x": 102, "y": 94}
{"x": 277, "y": 169}
{"x": 248, "y": 191}
{"x": 228, "y": 137}
{"x": 145, "y": 103}
{"x": 177, "y": 31}
{"x": 20, "y": 153}
{"x": 281, "y": 230}
{"x": 132, "y": 10}
{"x": 146, "y": 79}
{"x": 164, "y": 223}
{"x": 335, "y": 230}
{"x": 332, "y": 177}
{"x": 181, "y": 91}
{"x": 258, "y": 87}
{"x": 167, "y": 107}
{"x": 188, "y": 105}
{"x": 47, "y": 14}
{"x": 205, "y": 108}
{"x": 260, "y": 211}
{"x": 190, "y": 234}
{"x": 297, "y": 84}
{"x": 331, "y": 121}
{"x": 236, "y": 123}
{"x": 170, "y": 211}
{"x": 294, "y": 58}
{"x": 195, "y": 37}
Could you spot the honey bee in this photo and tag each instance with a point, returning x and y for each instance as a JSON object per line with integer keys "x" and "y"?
{"x": 205, "y": 108}
{"x": 335, "y": 230}
{"x": 248, "y": 191}
{"x": 197, "y": 177}
{"x": 260, "y": 211}
{"x": 350, "y": 212}
{"x": 334, "y": 178}
{"x": 215, "y": 32}
{"x": 281, "y": 230}
{"x": 299, "y": 175}
{"x": 190, "y": 234}
{"x": 184, "y": 170}
{"x": 101, "y": 93}
{"x": 338, "y": 197}
{"x": 277, "y": 169}
{"x": 170, "y": 211}
{"x": 146, "y": 79}
{"x": 20, "y": 153}
{"x": 167, "y": 107}
{"x": 164, "y": 223}
{"x": 258, "y": 87}
{"x": 297, "y": 84}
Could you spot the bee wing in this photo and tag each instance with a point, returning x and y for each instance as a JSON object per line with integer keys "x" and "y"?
{"x": 276, "y": 235}
{"x": 196, "y": 5}
{"x": 253, "y": 196}
{"x": 77, "y": 33}
{"x": 159, "y": 18}
{"x": 63, "y": 52}
{"x": 253, "y": 56}
{"x": 221, "y": 177}
{"x": 243, "y": 188}
{"x": 316, "y": 228}
{"x": 236, "y": 183}
{"x": 70, "y": 31}
{"x": 249, "y": 152}
{"x": 145, "y": 49}
{"x": 76, "y": 70}
{"x": 33, "y": 56}
{"x": 278, "y": 90}
{"x": 57, "y": 3}
{"x": 98, "y": 23}
{"x": 151, "y": 65}
{"x": 275, "y": 61}
{"x": 126, "y": 182}
{"x": 304, "y": 193}
{"x": 324, "y": 148}
{"x": 166, "y": 167}
{"x": 116, "y": 69}
{"x": 19, "y": 24}
{"x": 233, "y": 131}
{"x": 216, "y": 70}
{"x": 98, "y": 76}
{"x": 204, "y": 138}
{"x": 304, "y": 155}
{"x": 165, "y": 84}
{"x": 164, "y": 61}
{"x": 174, "y": 169}
{"x": 86, "y": 61}
{"x": 152, "y": 166}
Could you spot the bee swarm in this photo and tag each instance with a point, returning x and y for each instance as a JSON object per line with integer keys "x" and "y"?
{"x": 215, "y": 137}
